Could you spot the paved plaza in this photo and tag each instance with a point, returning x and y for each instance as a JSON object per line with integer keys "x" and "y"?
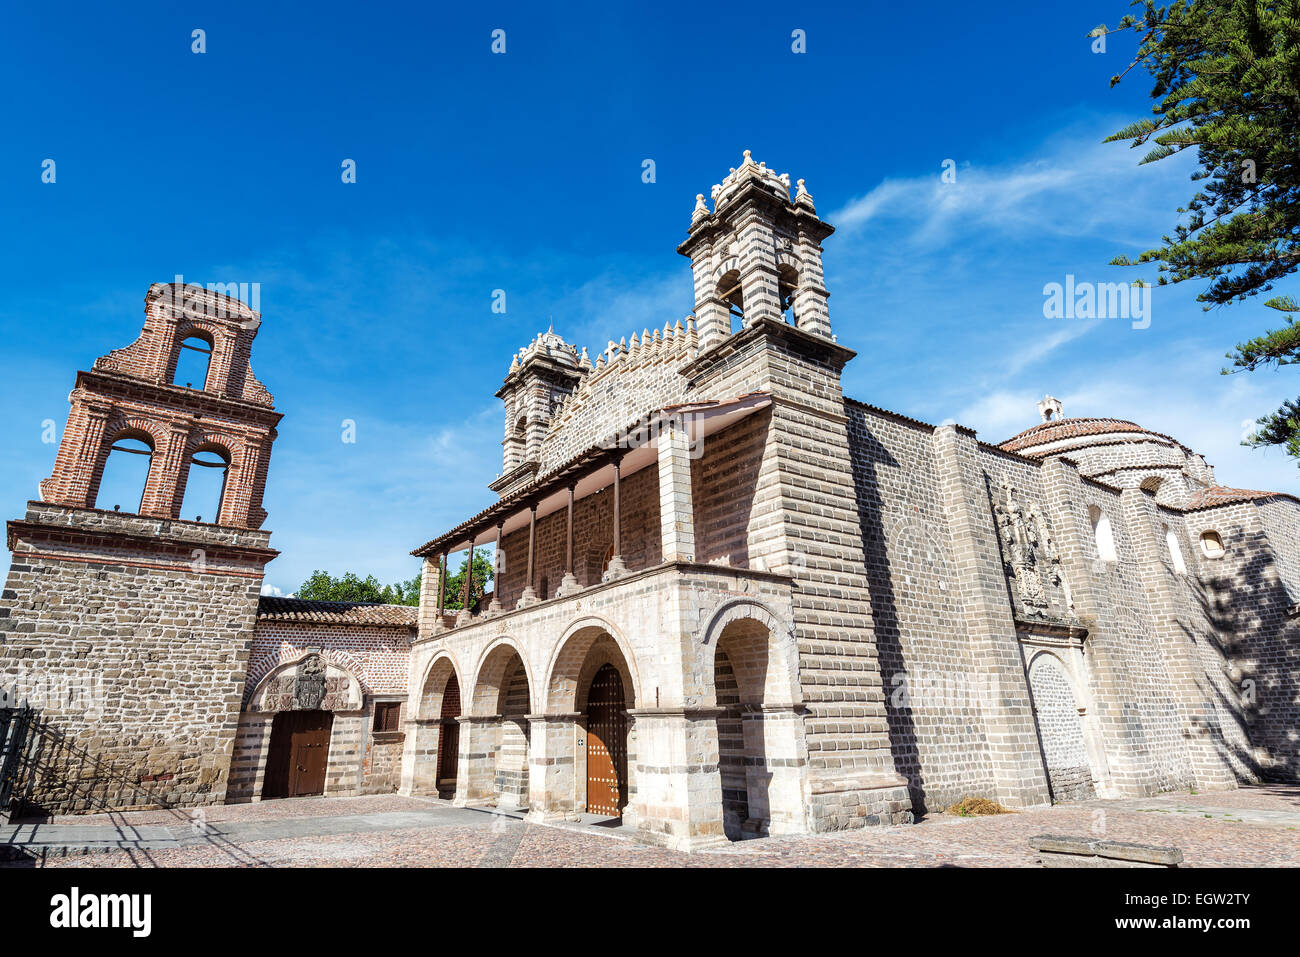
{"x": 1255, "y": 826}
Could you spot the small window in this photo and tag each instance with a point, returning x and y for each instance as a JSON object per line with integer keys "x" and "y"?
{"x": 1212, "y": 544}
{"x": 1175, "y": 551}
{"x": 1102, "y": 533}
{"x": 192, "y": 363}
{"x": 387, "y": 714}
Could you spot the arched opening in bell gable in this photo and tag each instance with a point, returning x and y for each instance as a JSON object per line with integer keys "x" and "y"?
{"x": 193, "y": 362}
{"x": 205, "y": 485}
{"x": 125, "y": 474}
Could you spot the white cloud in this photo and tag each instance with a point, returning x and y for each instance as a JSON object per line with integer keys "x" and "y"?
{"x": 1075, "y": 186}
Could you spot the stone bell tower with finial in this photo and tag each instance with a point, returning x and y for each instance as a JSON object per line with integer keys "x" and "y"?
{"x": 757, "y": 255}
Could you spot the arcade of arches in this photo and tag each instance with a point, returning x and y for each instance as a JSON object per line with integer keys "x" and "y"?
{"x": 581, "y": 725}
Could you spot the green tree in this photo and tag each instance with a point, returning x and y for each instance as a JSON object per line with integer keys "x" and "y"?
{"x": 322, "y": 586}
{"x": 1227, "y": 83}
{"x": 455, "y": 592}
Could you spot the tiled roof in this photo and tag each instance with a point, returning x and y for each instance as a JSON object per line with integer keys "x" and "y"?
{"x": 1222, "y": 495}
{"x": 270, "y": 608}
{"x": 1046, "y": 432}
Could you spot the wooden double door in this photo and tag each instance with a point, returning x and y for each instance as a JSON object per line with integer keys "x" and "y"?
{"x": 299, "y": 754}
{"x": 606, "y": 744}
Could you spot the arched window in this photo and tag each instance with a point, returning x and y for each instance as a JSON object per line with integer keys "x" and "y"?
{"x": 1102, "y": 533}
{"x": 729, "y": 291}
{"x": 205, "y": 486}
{"x": 193, "y": 362}
{"x": 1212, "y": 544}
{"x": 787, "y": 284}
{"x": 121, "y": 485}
{"x": 1175, "y": 551}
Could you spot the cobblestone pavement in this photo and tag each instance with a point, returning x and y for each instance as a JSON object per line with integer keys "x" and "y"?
{"x": 1251, "y": 827}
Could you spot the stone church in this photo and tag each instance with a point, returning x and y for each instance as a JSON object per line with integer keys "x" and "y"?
{"x": 728, "y": 600}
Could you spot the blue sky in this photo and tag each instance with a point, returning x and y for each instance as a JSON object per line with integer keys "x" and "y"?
{"x": 523, "y": 172}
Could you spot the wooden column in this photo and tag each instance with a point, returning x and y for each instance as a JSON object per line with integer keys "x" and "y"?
{"x": 529, "y": 595}
{"x": 469, "y": 580}
{"x": 442, "y": 584}
{"x": 570, "y": 583}
{"x": 616, "y": 566}
{"x": 495, "y": 604}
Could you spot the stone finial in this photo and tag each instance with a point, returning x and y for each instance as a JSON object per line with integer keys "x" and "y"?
{"x": 700, "y": 211}
{"x": 803, "y": 197}
{"x": 514, "y": 364}
{"x": 748, "y": 160}
{"x": 1050, "y": 409}
{"x": 584, "y": 361}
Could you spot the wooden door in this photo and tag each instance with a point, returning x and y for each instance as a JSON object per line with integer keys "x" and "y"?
{"x": 299, "y": 754}
{"x": 606, "y": 744}
{"x": 449, "y": 746}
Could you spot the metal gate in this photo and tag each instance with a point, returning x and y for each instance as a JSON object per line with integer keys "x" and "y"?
{"x": 606, "y": 744}
{"x": 15, "y": 731}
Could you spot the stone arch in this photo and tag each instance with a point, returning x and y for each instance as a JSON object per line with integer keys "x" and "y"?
{"x": 780, "y": 681}
{"x": 489, "y": 676}
{"x": 573, "y": 663}
{"x": 345, "y": 691}
{"x": 753, "y": 663}
{"x": 433, "y": 682}
{"x": 1055, "y": 694}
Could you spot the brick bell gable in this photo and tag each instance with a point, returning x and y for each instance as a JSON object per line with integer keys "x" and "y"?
{"x": 128, "y": 394}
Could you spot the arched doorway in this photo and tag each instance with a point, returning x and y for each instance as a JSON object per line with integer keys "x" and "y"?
{"x": 449, "y": 740}
{"x": 606, "y": 743}
{"x": 1060, "y": 731}
{"x": 731, "y": 748}
{"x": 762, "y": 752}
{"x": 497, "y": 747}
{"x": 298, "y": 755}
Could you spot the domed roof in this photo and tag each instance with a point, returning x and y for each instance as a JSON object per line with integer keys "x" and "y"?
{"x": 1060, "y": 430}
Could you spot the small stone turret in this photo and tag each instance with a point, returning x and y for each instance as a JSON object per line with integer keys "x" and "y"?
{"x": 758, "y": 255}
{"x": 542, "y": 375}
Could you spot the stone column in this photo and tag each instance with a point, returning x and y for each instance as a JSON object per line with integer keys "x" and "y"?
{"x": 552, "y": 787}
{"x": 776, "y": 788}
{"x": 712, "y": 315}
{"x": 1020, "y": 780}
{"x": 480, "y": 738}
{"x": 676, "y": 509}
{"x": 420, "y": 756}
{"x": 679, "y": 789}
{"x": 811, "y": 312}
{"x": 1161, "y": 586}
{"x": 758, "y": 278}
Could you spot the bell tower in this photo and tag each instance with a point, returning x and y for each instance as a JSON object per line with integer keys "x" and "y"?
{"x": 757, "y": 255}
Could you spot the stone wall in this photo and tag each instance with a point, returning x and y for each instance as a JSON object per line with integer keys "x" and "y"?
{"x": 936, "y": 727}
{"x": 152, "y": 619}
{"x": 1249, "y": 591}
